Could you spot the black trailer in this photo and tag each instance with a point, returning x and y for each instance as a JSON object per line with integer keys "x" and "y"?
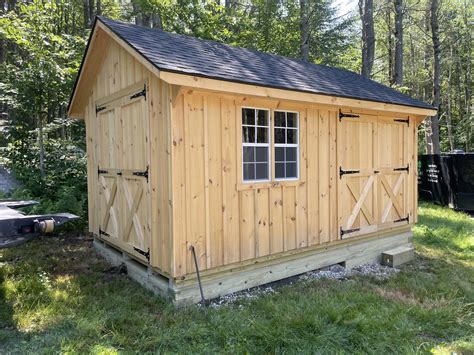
{"x": 17, "y": 227}
{"x": 447, "y": 179}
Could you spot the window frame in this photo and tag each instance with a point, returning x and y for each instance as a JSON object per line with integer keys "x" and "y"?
{"x": 268, "y": 145}
{"x": 286, "y": 145}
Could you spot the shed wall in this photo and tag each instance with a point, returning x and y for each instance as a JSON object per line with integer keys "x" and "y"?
{"x": 118, "y": 71}
{"x": 229, "y": 221}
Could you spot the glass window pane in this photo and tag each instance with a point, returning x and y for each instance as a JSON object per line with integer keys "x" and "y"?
{"x": 248, "y": 116}
{"x": 291, "y": 120}
{"x": 279, "y": 170}
{"x": 291, "y": 154}
{"x": 291, "y": 136}
{"x": 280, "y": 119}
{"x": 291, "y": 170}
{"x": 279, "y": 154}
{"x": 261, "y": 171}
{"x": 262, "y": 118}
{"x": 262, "y": 135}
{"x": 249, "y": 171}
{"x": 248, "y": 134}
{"x": 262, "y": 154}
{"x": 279, "y": 135}
{"x": 249, "y": 154}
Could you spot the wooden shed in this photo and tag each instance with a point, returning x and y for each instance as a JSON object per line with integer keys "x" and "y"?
{"x": 267, "y": 166}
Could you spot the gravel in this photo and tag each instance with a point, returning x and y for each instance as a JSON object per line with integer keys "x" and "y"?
{"x": 335, "y": 272}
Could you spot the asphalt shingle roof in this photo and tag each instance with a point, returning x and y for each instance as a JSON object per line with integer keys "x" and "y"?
{"x": 189, "y": 55}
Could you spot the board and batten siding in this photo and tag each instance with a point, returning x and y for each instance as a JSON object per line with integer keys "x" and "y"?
{"x": 118, "y": 71}
{"x": 229, "y": 221}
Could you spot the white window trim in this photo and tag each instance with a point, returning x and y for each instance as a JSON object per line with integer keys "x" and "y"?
{"x": 285, "y": 145}
{"x": 268, "y": 145}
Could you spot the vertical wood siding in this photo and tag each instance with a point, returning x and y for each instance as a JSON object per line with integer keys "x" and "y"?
{"x": 118, "y": 71}
{"x": 228, "y": 221}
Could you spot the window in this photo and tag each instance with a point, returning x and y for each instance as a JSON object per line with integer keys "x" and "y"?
{"x": 286, "y": 145}
{"x": 256, "y": 144}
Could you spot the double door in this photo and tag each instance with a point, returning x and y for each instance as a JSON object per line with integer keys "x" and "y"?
{"x": 373, "y": 173}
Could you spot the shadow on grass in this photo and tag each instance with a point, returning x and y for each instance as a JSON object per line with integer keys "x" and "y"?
{"x": 6, "y": 311}
{"x": 68, "y": 299}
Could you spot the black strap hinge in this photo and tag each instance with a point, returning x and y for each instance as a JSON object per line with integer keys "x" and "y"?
{"x": 401, "y": 220}
{"x": 347, "y": 231}
{"x": 138, "y": 94}
{"x": 98, "y": 109}
{"x": 101, "y": 171}
{"x": 407, "y": 121}
{"x": 141, "y": 173}
{"x": 407, "y": 169}
{"x": 102, "y": 232}
{"x": 146, "y": 254}
{"x": 346, "y": 115}
{"x": 346, "y": 172}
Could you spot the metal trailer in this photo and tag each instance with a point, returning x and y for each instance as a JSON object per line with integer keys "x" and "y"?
{"x": 17, "y": 227}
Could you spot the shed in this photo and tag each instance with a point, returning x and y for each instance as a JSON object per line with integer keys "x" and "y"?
{"x": 267, "y": 166}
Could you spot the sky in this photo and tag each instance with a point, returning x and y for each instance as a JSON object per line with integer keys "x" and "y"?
{"x": 345, "y": 6}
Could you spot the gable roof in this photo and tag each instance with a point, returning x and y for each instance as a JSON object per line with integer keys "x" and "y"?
{"x": 189, "y": 55}
{"x": 170, "y": 52}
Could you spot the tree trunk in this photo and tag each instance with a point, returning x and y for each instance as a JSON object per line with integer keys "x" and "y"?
{"x": 398, "y": 65}
{"x": 449, "y": 120}
{"x": 433, "y": 136}
{"x": 87, "y": 14}
{"x": 390, "y": 44}
{"x": 468, "y": 85}
{"x": 368, "y": 36}
{"x": 91, "y": 12}
{"x": 157, "y": 21}
{"x": 41, "y": 144}
{"x": 138, "y": 13}
{"x": 304, "y": 30}
{"x": 99, "y": 8}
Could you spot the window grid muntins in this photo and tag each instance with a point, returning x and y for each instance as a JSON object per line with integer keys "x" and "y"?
{"x": 255, "y": 144}
{"x": 286, "y": 138}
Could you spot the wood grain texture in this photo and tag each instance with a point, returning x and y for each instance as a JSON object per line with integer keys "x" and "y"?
{"x": 196, "y": 196}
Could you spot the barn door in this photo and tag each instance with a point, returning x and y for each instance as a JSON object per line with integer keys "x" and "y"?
{"x": 373, "y": 170}
{"x": 123, "y": 172}
{"x": 357, "y": 205}
{"x": 393, "y": 167}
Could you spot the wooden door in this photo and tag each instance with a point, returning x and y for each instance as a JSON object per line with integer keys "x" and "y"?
{"x": 373, "y": 173}
{"x": 123, "y": 146}
{"x": 393, "y": 171}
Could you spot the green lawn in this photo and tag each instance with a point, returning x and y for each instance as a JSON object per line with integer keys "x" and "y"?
{"x": 56, "y": 295}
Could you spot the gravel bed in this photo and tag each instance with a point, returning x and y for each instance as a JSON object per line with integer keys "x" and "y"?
{"x": 335, "y": 272}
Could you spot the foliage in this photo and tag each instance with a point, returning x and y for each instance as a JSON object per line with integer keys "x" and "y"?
{"x": 63, "y": 187}
{"x": 56, "y": 295}
{"x": 456, "y": 28}
{"x": 39, "y": 145}
{"x": 42, "y": 43}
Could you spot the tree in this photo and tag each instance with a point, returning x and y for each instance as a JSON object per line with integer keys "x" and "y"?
{"x": 366, "y": 10}
{"x": 432, "y": 136}
{"x": 304, "y": 28}
{"x": 398, "y": 60}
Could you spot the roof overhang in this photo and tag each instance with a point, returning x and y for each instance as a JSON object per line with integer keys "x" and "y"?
{"x": 100, "y": 38}
{"x": 267, "y": 92}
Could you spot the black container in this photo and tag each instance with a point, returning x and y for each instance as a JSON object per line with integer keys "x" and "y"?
{"x": 447, "y": 179}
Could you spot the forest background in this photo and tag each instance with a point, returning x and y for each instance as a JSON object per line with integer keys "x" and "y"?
{"x": 420, "y": 47}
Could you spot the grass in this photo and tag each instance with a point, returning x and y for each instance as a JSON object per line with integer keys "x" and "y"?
{"x": 57, "y": 296}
